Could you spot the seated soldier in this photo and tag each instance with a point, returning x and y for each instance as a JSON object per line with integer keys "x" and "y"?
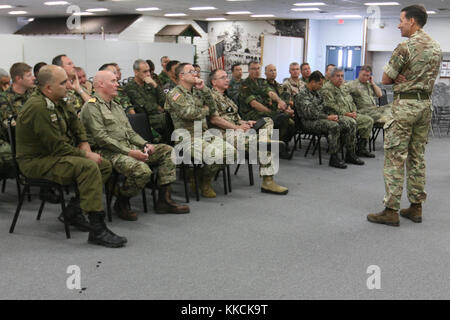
{"x": 293, "y": 84}
{"x": 47, "y": 130}
{"x": 365, "y": 93}
{"x": 163, "y": 76}
{"x": 305, "y": 69}
{"x": 283, "y": 93}
{"x": 146, "y": 96}
{"x": 152, "y": 72}
{"x": 4, "y": 80}
{"x": 112, "y": 136}
{"x": 122, "y": 98}
{"x": 316, "y": 117}
{"x": 337, "y": 98}
{"x": 235, "y": 83}
{"x": 228, "y": 118}
{"x": 257, "y": 100}
{"x": 84, "y": 82}
{"x": 171, "y": 82}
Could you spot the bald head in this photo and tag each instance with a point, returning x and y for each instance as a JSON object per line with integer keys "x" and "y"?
{"x": 52, "y": 81}
{"x": 105, "y": 84}
{"x": 47, "y": 75}
{"x": 271, "y": 72}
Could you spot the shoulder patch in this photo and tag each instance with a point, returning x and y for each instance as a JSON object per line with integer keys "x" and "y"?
{"x": 93, "y": 100}
{"x": 50, "y": 104}
{"x": 53, "y": 117}
{"x": 176, "y": 96}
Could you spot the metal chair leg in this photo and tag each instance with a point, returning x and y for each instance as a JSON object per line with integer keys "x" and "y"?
{"x": 63, "y": 208}
{"x": 197, "y": 187}
{"x": 41, "y": 208}
{"x": 225, "y": 186}
{"x": 237, "y": 169}
{"x": 185, "y": 178}
{"x": 229, "y": 178}
{"x": 4, "y": 184}
{"x": 250, "y": 174}
{"x": 19, "y": 206}
{"x": 144, "y": 200}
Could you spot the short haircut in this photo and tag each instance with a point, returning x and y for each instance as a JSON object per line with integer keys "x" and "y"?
{"x": 252, "y": 62}
{"x": 180, "y": 69}
{"x": 114, "y": 64}
{"x": 137, "y": 64}
{"x": 163, "y": 57}
{"x": 57, "y": 61}
{"x": 196, "y": 65}
{"x": 18, "y": 69}
{"x": 212, "y": 74}
{"x": 38, "y": 67}
{"x": 78, "y": 69}
{"x": 316, "y": 76}
{"x": 151, "y": 65}
{"x": 329, "y": 65}
{"x": 367, "y": 68}
{"x": 294, "y": 64}
{"x": 336, "y": 70}
{"x": 234, "y": 66}
{"x": 417, "y": 12}
{"x": 45, "y": 76}
{"x": 170, "y": 64}
{"x": 3, "y": 73}
{"x": 106, "y": 65}
{"x": 304, "y": 64}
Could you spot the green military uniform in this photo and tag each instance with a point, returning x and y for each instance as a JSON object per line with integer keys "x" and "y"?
{"x": 305, "y": 81}
{"x": 163, "y": 78}
{"x": 293, "y": 86}
{"x": 228, "y": 110}
{"x": 339, "y": 100}
{"x": 148, "y": 99}
{"x": 233, "y": 90}
{"x": 123, "y": 100}
{"x": 282, "y": 92}
{"x": 169, "y": 85}
{"x": 113, "y": 137}
{"x": 314, "y": 114}
{"x": 6, "y": 164}
{"x": 259, "y": 90}
{"x": 365, "y": 100}
{"x": 46, "y": 136}
{"x": 418, "y": 59}
{"x": 192, "y": 108}
{"x": 74, "y": 99}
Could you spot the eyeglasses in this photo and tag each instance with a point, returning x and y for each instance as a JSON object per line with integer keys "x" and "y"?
{"x": 190, "y": 72}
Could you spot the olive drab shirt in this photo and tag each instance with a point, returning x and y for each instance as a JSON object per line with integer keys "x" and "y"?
{"x": 47, "y": 129}
{"x": 280, "y": 90}
{"x": 186, "y": 107}
{"x": 163, "y": 78}
{"x": 108, "y": 127}
{"x": 309, "y": 105}
{"x": 10, "y": 104}
{"x": 418, "y": 59}
{"x": 145, "y": 98}
{"x": 258, "y": 90}
{"x": 226, "y": 108}
{"x": 363, "y": 94}
{"x": 337, "y": 99}
{"x": 233, "y": 89}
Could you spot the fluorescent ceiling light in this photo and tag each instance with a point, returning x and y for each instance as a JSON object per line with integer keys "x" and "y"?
{"x": 175, "y": 14}
{"x": 56, "y": 3}
{"x": 348, "y": 16}
{"x": 216, "y": 19}
{"x": 239, "y": 12}
{"x": 5, "y": 6}
{"x": 17, "y": 12}
{"x": 262, "y": 15}
{"x": 309, "y": 4}
{"x": 148, "y": 9}
{"x": 202, "y": 8}
{"x": 305, "y": 9}
{"x": 382, "y": 4}
{"x": 431, "y": 12}
{"x": 31, "y": 20}
{"x": 97, "y": 10}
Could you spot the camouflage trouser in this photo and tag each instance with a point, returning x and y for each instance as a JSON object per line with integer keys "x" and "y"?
{"x": 137, "y": 173}
{"x": 376, "y": 113}
{"x": 88, "y": 176}
{"x": 6, "y": 163}
{"x": 343, "y": 131}
{"x": 287, "y": 127}
{"x": 364, "y": 126}
{"x": 406, "y": 135}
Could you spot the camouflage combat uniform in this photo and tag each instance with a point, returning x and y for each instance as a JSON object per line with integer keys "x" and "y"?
{"x": 365, "y": 100}
{"x": 339, "y": 100}
{"x": 314, "y": 114}
{"x": 47, "y": 135}
{"x": 112, "y": 136}
{"x": 293, "y": 86}
{"x": 192, "y": 108}
{"x": 163, "y": 78}
{"x": 418, "y": 59}
{"x": 281, "y": 91}
{"x": 169, "y": 85}
{"x": 228, "y": 110}
{"x": 74, "y": 99}
{"x": 149, "y": 99}
{"x": 233, "y": 90}
{"x": 123, "y": 100}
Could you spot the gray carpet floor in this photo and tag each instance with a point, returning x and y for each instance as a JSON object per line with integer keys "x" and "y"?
{"x": 314, "y": 243}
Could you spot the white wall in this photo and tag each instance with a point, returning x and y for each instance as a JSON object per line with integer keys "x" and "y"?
{"x": 313, "y": 43}
{"x": 8, "y": 25}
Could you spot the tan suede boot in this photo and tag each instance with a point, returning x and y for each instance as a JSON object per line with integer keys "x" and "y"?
{"x": 165, "y": 204}
{"x": 387, "y": 216}
{"x": 413, "y": 213}
{"x": 206, "y": 188}
{"x": 270, "y": 186}
{"x": 123, "y": 209}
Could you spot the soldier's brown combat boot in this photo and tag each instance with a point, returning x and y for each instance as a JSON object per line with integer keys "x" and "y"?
{"x": 387, "y": 216}
{"x": 270, "y": 186}
{"x": 165, "y": 203}
{"x": 123, "y": 209}
{"x": 206, "y": 188}
{"x": 413, "y": 213}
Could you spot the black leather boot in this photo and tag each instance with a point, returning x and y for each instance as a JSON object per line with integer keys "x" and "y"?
{"x": 75, "y": 215}
{"x": 336, "y": 162}
{"x": 362, "y": 149}
{"x": 353, "y": 159}
{"x": 48, "y": 195}
{"x": 123, "y": 209}
{"x": 100, "y": 234}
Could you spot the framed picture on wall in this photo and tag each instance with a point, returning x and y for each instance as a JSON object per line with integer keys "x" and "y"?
{"x": 445, "y": 69}
{"x": 444, "y": 64}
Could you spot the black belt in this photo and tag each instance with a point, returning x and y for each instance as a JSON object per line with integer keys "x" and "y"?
{"x": 412, "y": 95}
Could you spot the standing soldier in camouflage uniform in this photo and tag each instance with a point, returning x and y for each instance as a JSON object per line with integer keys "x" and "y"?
{"x": 365, "y": 93}
{"x": 189, "y": 104}
{"x": 271, "y": 75}
{"x": 163, "y": 76}
{"x": 337, "y": 98}
{"x": 258, "y": 100}
{"x": 47, "y": 130}
{"x": 112, "y": 136}
{"x": 316, "y": 117}
{"x": 235, "y": 83}
{"x": 76, "y": 95}
{"x": 293, "y": 84}
{"x": 306, "y": 72}
{"x": 228, "y": 118}
{"x": 146, "y": 96}
{"x": 171, "y": 83}
{"x": 413, "y": 68}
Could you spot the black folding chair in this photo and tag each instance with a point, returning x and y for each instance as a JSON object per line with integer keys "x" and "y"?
{"x": 378, "y": 127}
{"x": 27, "y": 183}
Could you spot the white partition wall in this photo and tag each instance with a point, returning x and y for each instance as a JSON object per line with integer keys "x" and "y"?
{"x": 281, "y": 51}
{"x": 11, "y": 51}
